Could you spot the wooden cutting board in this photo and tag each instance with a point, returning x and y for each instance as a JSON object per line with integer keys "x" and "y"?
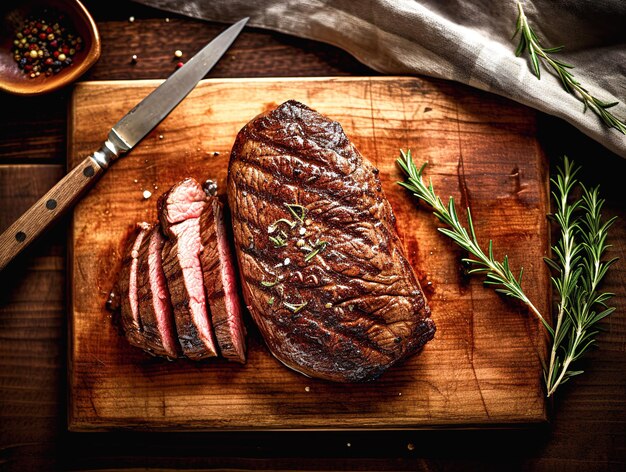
{"x": 482, "y": 368}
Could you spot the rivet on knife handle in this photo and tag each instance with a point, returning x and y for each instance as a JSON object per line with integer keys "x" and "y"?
{"x": 59, "y": 198}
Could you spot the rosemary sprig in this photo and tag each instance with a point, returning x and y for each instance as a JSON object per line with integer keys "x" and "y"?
{"x": 497, "y": 274}
{"x": 578, "y": 264}
{"x": 579, "y": 269}
{"x": 529, "y": 41}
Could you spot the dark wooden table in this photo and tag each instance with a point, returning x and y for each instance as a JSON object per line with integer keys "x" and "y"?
{"x": 588, "y": 428}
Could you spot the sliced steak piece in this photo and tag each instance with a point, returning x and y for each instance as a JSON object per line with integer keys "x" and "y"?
{"x": 220, "y": 282}
{"x": 127, "y": 287}
{"x": 325, "y": 275}
{"x": 155, "y": 308}
{"x": 179, "y": 212}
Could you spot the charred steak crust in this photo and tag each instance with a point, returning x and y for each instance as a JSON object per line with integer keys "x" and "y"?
{"x": 324, "y": 273}
{"x": 220, "y": 283}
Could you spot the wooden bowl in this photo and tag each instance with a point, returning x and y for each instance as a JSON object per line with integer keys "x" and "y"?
{"x": 12, "y": 17}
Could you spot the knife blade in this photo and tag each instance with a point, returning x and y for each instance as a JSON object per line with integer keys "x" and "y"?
{"x": 125, "y": 135}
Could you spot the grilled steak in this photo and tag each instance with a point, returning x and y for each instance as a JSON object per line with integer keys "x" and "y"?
{"x": 220, "y": 283}
{"x": 324, "y": 273}
{"x": 155, "y": 310}
{"x": 127, "y": 287}
{"x": 179, "y": 212}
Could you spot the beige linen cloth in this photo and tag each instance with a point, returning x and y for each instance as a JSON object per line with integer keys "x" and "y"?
{"x": 468, "y": 41}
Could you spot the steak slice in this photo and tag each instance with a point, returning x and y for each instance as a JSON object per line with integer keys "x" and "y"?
{"x": 179, "y": 213}
{"x": 127, "y": 287}
{"x": 155, "y": 308}
{"x": 324, "y": 273}
{"x": 220, "y": 282}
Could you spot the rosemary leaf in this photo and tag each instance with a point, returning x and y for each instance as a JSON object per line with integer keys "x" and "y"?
{"x": 295, "y": 307}
{"x": 320, "y": 246}
{"x": 278, "y": 241}
{"x": 298, "y": 211}
{"x": 264, "y": 283}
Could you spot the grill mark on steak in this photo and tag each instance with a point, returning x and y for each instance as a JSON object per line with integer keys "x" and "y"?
{"x": 155, "y": 308}
{"x": 220, "y": 283}
{"x": 285, "y": 190}
{"x": 333, "y": 191}
{"x": 297, "y": 162}
{"x": 127, "y": 285}
{"x": 364, "y": 308}
{"x": 179, "y": 212}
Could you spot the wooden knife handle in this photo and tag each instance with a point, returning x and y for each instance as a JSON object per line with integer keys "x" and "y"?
{"x": 48, "y": 208}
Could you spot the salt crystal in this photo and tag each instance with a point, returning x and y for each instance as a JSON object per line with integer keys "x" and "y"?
{"x": 147, "y": 194}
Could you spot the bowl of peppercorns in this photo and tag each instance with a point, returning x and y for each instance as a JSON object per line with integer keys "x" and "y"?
{"x": 45, "y": 45}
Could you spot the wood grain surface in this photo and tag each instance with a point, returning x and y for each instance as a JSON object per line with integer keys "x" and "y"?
{"x": 483, "y": 366}
{"x": 587, "y": 430}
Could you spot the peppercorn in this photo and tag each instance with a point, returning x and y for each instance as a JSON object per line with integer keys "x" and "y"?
{"x": 45, "y": 46}
{"x": 179, "y": 65}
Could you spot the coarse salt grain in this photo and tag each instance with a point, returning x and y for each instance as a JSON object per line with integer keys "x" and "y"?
{"x": 147, "y": 194}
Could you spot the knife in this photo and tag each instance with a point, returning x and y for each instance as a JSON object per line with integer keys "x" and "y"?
{"x": 123, "y": 137}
